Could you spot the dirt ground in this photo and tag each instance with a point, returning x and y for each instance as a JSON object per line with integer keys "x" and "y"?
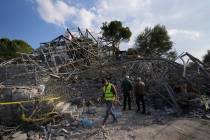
{"x": 181, "y": 129}
{"x": 136, "y": 126}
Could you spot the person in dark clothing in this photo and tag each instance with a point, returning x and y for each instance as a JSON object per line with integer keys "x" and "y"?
{"x": 139, "y": 94}
{"x": 126, "y": 89}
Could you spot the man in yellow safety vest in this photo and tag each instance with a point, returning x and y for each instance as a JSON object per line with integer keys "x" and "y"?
{"x": 109, "y": 96}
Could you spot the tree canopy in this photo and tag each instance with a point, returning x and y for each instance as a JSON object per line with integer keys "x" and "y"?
{"x": 114, "y": 33}
{"x": 171, "y": 55}
{"x": 206, "y": 58}
{"x": 9, "y": 49}
{"x": 22, "y": 46}
{"x": 154, "y": 41}
{"x": 132, "y": 51}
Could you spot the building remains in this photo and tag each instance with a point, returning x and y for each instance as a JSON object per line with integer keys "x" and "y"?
{"x": 63, "y": 75}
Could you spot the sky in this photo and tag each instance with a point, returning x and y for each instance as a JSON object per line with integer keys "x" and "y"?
{"x": 36, "y": 21}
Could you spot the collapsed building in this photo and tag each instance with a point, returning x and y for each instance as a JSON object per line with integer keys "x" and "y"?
{"x": 71, "y": 67}
{"x": 29, "y": 76}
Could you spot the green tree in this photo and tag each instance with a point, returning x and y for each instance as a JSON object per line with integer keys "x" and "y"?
{"x": 192, "y": 65}
{"x": 132, "y": 51}
{"x": 206, "y": 58}
{"x": 22, "y": 46}
{"x": 9, "y": 49}
{"x": 115, "y": 33}
{"x": 154, "y": 41}
{"x": 171, "y": 55}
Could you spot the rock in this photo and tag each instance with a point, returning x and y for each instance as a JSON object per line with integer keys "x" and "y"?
{"x": 60, "y": 138}
{"x": 65, "y": 123}
{"x": 62, "y": 132}
{"x": 19, "y": 136}
{"x": 206, "y": 116}
{"x": 75, "y": 123}
{"x": 89, "y": 103}
{"x": 91, "y": 110}
{"x": 169, "y": 111}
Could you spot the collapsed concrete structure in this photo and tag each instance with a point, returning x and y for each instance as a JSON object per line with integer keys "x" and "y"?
{"x": 72, "y": 65}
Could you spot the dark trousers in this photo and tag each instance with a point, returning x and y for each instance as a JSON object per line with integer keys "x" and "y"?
{"x": 127, "y": 97}
{"x": 109, "y": 110}
{"x": 140, "y": 98}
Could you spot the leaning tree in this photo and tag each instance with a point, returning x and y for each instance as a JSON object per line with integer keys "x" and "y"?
{"x": 114, "y": 33}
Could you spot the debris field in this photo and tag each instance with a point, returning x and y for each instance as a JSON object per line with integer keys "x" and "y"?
{"x": 52, "y": 93}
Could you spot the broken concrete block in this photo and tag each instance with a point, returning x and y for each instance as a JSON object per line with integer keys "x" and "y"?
{"x": 91, "y": 110}
{"x": 80, "y": 111}
{"x": 19, "y": 136}
{"x": 63, "y": 107}
{"x": 67, "y": 115}
{"x": 75, "y": 115}
{"x": 74, "y": 123}
{"x": 73, "y": 108}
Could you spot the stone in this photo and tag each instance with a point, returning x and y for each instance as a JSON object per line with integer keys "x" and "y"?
{"x": 19, "y": 136}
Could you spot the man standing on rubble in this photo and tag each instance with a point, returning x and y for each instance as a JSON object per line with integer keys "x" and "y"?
{"x": 126, "y": 87}
{"x": 139, "y": 94}
{"x": 110, "y": 97}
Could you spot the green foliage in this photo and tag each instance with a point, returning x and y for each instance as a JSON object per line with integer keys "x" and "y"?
{"x": 154, "y": 41}
{"x": 115, "y": 32}
{"x": 192, "y": 65}
{"x": 132, "y": 51}
{"x": 206, "y": 58}
{"x": 9, "y": 49}
{"x": 172, "y": 55}
{"x": 22, "y": 46}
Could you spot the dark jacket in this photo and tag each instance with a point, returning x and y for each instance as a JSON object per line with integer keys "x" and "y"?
{"x": 126, "y": 86}
{"x": 139, "y": 88}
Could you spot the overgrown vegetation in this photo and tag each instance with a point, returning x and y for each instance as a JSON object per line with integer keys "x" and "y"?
{"x": 9, "y": 49}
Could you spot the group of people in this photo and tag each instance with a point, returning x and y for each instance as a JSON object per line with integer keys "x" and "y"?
{"x": 110, "y": 96}
{"x": 138, "y": 90}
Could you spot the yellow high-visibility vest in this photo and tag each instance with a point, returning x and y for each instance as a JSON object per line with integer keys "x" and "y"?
{"x": 109, "y": 96}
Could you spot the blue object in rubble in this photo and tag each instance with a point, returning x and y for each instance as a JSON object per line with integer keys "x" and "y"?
{"x": 86, "y": 123}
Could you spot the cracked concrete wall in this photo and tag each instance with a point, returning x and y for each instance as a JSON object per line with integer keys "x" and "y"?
{"x": 19, "y": 75}
{"x": 11, "y": 113}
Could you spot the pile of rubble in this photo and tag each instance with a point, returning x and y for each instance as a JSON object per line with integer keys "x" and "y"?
{"x": 70, "y": 68}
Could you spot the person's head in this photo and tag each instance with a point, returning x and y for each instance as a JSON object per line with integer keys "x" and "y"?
{"x": 127, "y": 77}
{"x": 104, "y": 81}
{"x": 138, "y": 79}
